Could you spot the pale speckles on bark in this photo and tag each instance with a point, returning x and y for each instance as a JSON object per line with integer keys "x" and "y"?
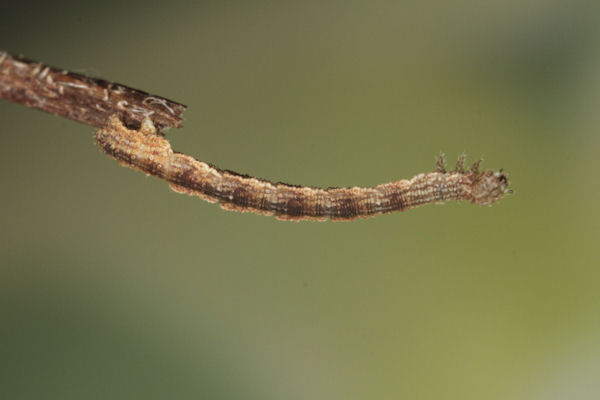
{"x": 81, "y": 98}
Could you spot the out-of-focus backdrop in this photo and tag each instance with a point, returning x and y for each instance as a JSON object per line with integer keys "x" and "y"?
{"x": 114, "y": 287}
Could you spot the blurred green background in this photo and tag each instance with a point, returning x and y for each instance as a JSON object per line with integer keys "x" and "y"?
{"x": 114, "y": 287}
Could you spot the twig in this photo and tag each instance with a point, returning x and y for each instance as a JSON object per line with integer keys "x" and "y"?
{"x": 81, "y": 98}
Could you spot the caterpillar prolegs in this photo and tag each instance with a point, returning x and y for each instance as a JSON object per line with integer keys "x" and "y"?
{"x": 151, "y": 153}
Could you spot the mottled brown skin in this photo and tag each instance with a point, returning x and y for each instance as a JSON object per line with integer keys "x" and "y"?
{"x": 151, "y": 153}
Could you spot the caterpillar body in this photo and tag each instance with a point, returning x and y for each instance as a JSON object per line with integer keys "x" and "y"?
{"x": 147, "y": 151}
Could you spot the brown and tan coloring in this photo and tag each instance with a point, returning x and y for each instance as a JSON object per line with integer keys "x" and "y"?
{"x": 151, "y": 153}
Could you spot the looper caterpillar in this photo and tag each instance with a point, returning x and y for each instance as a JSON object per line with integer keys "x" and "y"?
{"x": 151, "y": 153}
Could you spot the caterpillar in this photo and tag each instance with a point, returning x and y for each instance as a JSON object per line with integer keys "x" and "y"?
{"x": 147, "y": 151}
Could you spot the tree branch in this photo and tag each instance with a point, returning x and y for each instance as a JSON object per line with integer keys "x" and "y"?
{"x": 81, "y": 98}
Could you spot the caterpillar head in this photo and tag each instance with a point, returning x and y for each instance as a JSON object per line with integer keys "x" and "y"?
{"x": 488, "y": 187}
